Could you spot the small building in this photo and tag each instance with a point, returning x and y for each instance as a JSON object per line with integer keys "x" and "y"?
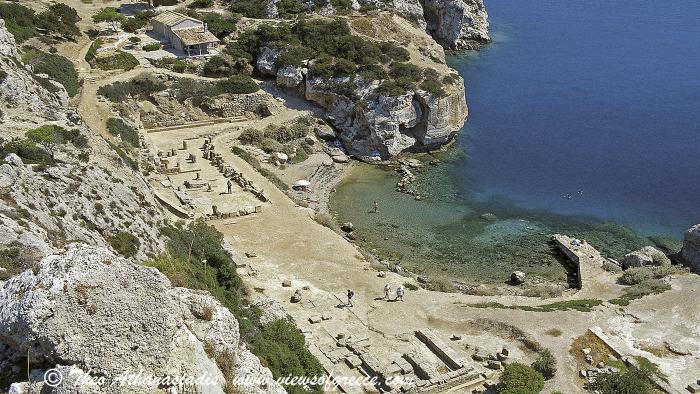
{"x": 184, "y": 33}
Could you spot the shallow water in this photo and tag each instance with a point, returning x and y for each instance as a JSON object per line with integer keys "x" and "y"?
{"x": 599, "y": 100}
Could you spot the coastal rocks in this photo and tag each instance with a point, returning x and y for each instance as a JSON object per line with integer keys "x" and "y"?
{"x": 517, "y": 278}
{"x": 388, "y": 125}
{"x": 647, "y": 255}
{"x": 457, "y": 24}
{"x": 93, "y": 310}
{"x": 405, "y": 183}
{"x": 324, "y": 132}
{"x": 691, "y": 248}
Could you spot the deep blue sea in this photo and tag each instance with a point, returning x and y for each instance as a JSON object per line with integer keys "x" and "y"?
{"x": 596, "y": 99}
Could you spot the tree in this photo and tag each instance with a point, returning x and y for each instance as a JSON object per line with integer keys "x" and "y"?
{"x": 46, "y": 136}
{"x": 520, "y": 379}
{"x": 546, "y": 364}
{"x": 61, "y": 19}
{"x": 111, "y": 15}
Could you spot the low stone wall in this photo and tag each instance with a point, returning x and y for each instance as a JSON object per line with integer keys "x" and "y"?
{"x": 235, "y": 105}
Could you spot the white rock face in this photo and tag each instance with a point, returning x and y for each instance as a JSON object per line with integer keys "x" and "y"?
{"x": 387, "y": 126}
{"x": 92, "y": 310}
{"x": 645, "y": 256}
{"x": 265, "y": 63}
{"x": 691, "y": 248}
{"x": 290, "y": 76}
{"x": 457, "y": 24}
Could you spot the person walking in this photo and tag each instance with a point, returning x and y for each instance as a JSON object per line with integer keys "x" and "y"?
{"x": 387, "y": 289}
{"x": 399, "y": 293}
{"x": 350, "y": 295}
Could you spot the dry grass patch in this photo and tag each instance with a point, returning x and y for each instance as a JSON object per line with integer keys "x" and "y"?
{"x": 506, "y": 331}
{"x": 553, "y": 332}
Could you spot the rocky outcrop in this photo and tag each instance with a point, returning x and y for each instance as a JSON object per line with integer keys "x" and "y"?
{"x": 89, "y": 310}
{"x": 691, "y": 248}
{"x": 457, "y": 24}
{"x": 388, "y": 125}
{"x": 91, "y": 194}
{"x": 645, "y": 256}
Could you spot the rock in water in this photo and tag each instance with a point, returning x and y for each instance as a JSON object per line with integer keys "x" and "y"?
{"x": 92, "y": 310}
{"x": 691, "y": 248}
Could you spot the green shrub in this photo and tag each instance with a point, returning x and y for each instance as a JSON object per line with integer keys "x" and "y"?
{"x": 342, "y": 6}
{"x": 57, "y": 68}
{"x": 294, "y": 56}
{"x": 127, "y": 133}
{"x": 59, "y": 19}
{"x": 138, "y": 21}
{"x": 250, "y": 8}
{"x": 410, "y": 286}
{"x": 219, "y": 25}
{"x": 395, "y": 52}
{"x": 393, "y": 88}
{"x": 91, "y": 54}
{"x": 635, "y": 275}
{"x": 286, "y": 133}
{"x": 124, "y": 243}
{"x": 224, "y": 65}
{"x": 134, "y": 39}
{"x": 433, "y": 87}
{"x": 201, "y": 4}
{"x": 120, "y": 60}
{"x": 633, "y": 381}
{"x": 110, "y": 15}
{"x": 545, "y": 364}
{"x": 520, "y": 379}
{"x": 19, "y": 20}
{"x": 26, "y": 149}
{"x": 269, "y": 145}
{"x": 141, "y": 86}
{"x": 406, "y": 71}
{"x": 154, "y": 46}
{"x": 237, "y": 84}
{"x": 251, "y": 137}
{"x": 290, "y": 8}
{"x": 282, "y": 348}
{"x": 372, "y": 72}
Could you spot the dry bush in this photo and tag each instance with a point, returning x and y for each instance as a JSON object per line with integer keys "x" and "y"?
{"x": 544, "y": 291}
{"x": 553, "y": 332}
{"x": 508, "y": 331}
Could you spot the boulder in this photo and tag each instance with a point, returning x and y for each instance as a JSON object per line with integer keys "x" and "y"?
{"x": 690, "y": 253}
{"x": 645, "y": 256}
{"x": 517, "y": 277}
{"x": 296, "y": 297}
{"x": 280, "y": 157}
{"x": 266, "y": 61}
{"x": 290, "y": 77}
{"x": 90, "y": 307}
{"x": 324, "y": 132}
{"x": 348, "y": 227}
{"x": 14, "y": 160}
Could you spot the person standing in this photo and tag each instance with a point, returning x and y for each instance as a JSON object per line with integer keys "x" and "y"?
{"x": 228, "y": 186}
{"x": 387, "y": 289}
{"x": 399, "y": 293}
{"x": 350, "y": 295}
{"x": 375, "y": 207}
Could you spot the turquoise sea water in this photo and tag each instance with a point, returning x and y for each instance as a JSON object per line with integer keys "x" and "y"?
{"x": 592, "y": 99}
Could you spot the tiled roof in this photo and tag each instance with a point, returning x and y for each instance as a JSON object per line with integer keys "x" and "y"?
{"x": 171, "y": 18}
{"x": 195, "y": 35}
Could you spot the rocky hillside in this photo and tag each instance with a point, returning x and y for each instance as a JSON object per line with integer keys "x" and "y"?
{"x": 455, "y": 24}
{"x": 59, "y": 181}
{"x": 90, "y": 310}
{"x": 691, "y": 248}
{"x": 385, "y": 92}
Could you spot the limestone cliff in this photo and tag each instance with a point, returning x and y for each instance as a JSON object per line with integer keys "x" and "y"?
{"x": 691, "y": 248}
{"x": 89, "y": 310}
{"x": 457, "y": 24}
{"x": 388, "y": 125}
{"x": 89, "y": 194}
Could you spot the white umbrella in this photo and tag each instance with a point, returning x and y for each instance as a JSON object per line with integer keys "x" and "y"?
{"x": 302, "y": 183}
